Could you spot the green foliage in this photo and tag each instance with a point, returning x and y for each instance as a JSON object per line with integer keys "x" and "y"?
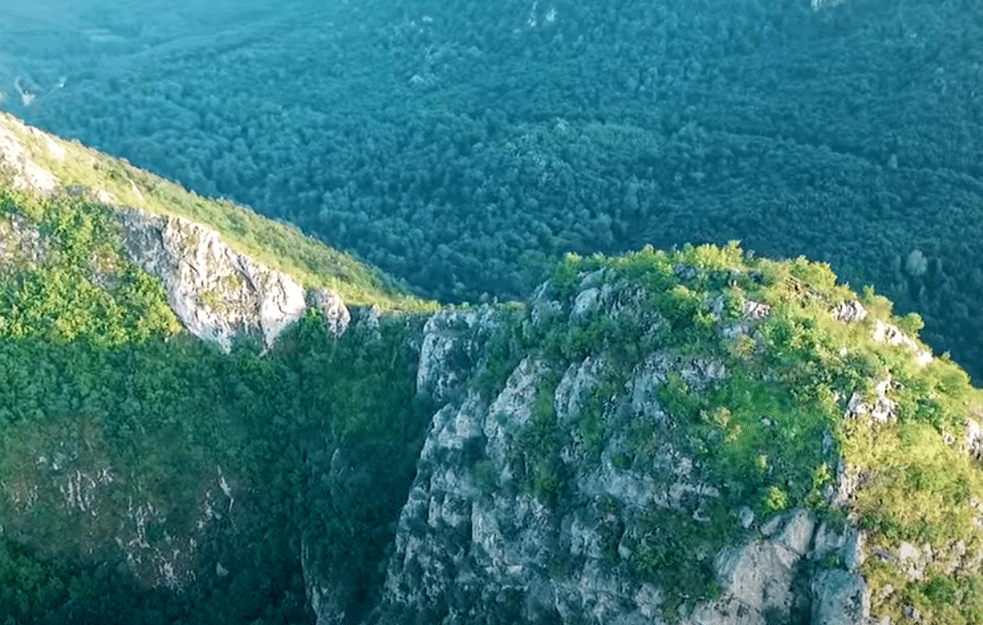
{"x": 816, "y": 275}
{"x": 502, "y": 351}
{"x": 352, "y": 407}
{"x": 758, "y": 432}
{"x": 651, "y": 267}
{"x": 710, "y": 258}
{"x": 678, "y": 400}
{"x": 344, "y": 375}
{"x": 538, "y": 446}
{"x": 775, "y": 500}
{"x": 485, "y": 476}
{"x": 161, "y": 417}
{"x": 439, "y": 156}
{"x": 943, "y": 598}
{"x": 83, "y": 289}
{"x": 677, "y": 553}
{"x": 456, "y": 178}
{"x": 566, "y": 273}
{"x": 589, "y": 421}
{"x": 97, "y": 375}
{"x": 911, "y": 323}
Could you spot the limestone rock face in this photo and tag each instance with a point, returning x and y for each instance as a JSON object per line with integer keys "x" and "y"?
{"x": 21, "y": 243}
{"x": 472, "y": 548}
{"x": 474, "y": 545}
{"x": 450, "y": 349}
{"x": 217, "y": 293}
{"x": 332, "y": 308}
{"x": 800, "y": 570}
{"x": 841, "y": 598}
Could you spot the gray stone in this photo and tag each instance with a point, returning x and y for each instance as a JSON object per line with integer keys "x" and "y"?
{"x": 892, "y": 335}
{"x": 217, "y": 293}
{"x": 850, "y": 312}
{"x": 839, "y": 598}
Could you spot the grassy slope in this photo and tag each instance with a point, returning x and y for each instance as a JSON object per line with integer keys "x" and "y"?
{"x": 277, "y": 245}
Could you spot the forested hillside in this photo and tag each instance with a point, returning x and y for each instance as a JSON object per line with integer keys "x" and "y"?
{"x": 461, "y": 146}
{"x": 150, "y": 471}
{"x": 145, "y": 475}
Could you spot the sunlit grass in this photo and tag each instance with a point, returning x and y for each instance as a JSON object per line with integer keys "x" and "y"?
{"x": 279, "y": 246}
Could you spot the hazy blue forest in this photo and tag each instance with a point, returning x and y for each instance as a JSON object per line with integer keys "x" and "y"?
{"x": 463, "y": 146}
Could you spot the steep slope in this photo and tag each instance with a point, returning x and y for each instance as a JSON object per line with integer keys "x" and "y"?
{"x": 42, "y": 165}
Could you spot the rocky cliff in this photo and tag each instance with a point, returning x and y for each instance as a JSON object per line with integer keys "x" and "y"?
{"x": 477, "y": 545}
{"x": 218, "y": 294}
{"x": 657, "y": 445}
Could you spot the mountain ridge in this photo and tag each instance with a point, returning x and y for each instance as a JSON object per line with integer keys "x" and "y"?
{"x": 43, "y": 164}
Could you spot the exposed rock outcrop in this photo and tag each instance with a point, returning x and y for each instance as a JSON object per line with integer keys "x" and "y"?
{"x": 217, "y": 293}
{"x": 17, "y": 161}
{"x": 21, "y": 242}
{"x": 475, "y": 545}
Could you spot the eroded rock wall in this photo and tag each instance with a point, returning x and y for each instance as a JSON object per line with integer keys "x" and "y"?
{"x": 217, "y": 293}
{"x": 474, "y": 544}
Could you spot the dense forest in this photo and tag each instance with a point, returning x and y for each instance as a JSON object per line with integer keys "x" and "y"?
{"x": 463, "y": 147}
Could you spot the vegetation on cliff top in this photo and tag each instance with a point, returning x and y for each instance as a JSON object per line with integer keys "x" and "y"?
{"x": 769, "y": 435}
